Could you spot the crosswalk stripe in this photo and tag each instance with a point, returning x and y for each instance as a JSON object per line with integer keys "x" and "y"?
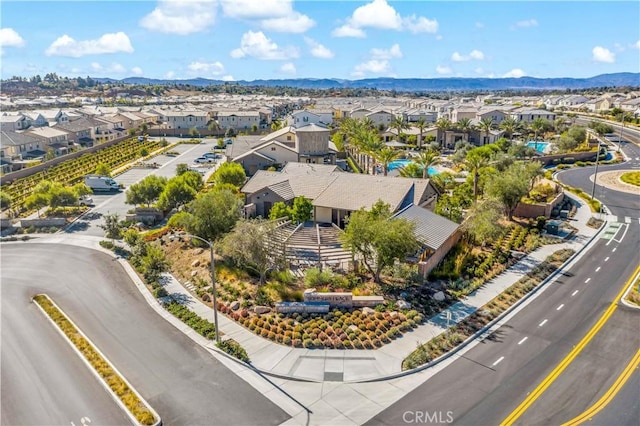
{"x": 627, "y": 219}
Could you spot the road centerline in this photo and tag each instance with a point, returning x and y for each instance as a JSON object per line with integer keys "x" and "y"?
{"x": 498, "y": 361}
{"x": 543, "y": 323}
{"x": 524, "y": 339}
{"x": 574, "y": 293}
{"x": 560, "y": 307}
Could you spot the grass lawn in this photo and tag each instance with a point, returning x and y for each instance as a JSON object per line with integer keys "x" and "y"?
{"x": 632, "y": 178}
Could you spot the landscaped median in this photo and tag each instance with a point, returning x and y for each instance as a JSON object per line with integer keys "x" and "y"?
{"x": 136, "y": 408}
{"x": 475, "y": 322}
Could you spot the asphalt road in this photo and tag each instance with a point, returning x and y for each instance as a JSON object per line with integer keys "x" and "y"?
{"x": 110, "y": 203}
{"x": 43, "y": 384}
{"x": 625, "y": 407}
{"x": 484, "y": 385}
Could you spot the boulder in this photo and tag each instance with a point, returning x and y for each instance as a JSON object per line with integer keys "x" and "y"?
{"x": 439, "y": 296}
{"x": 235, "y": 305}
{"x": 195, "y": 263}
{"x": 353, "y": 327}
{"x": 403, "y": 304}
{"x": 262, "y": 310}
{"x": 199, "y": 251}
{"x": 368, "y": 311}
{"x": 194, "y": 273}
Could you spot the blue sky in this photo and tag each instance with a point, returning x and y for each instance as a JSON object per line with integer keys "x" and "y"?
{"x": 264, "y": 39}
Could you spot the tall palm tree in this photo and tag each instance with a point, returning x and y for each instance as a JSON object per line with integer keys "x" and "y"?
{"x": 538, "y": 125}
{"x": 421, "y": 124}
{"x": 510, "y": 125}
{"x": 384, "y": 156}
{"x": 473, "y": 162}
{"x": 399, "y": 124}
{"x": 443, "y": 124}
{"x": 427, "y": 159}
{"x": 411, "y": 170}
{"x": 465, "y": 126}
{"x": 486, "y": 125}
{"x": 277, "y": 125}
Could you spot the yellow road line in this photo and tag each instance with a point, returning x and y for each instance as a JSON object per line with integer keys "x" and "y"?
{"x": 609, "y": 395}
{"x": 539, "y": 390}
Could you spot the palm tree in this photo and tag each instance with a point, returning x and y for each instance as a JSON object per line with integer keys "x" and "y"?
{"x": 421, "y": 124}
{"x": 427, "y": 159}
{"x": 443, "y": 124}
{"x": 384, "y": 156}
{"x": 277, "y": 125}
{"x": 465, "y": 126}
{"x": 538, "y": 125}
{"x": 411, "y": 170}
{"x": 399, "y": 125}
{"x": 486, "y": 125}
{"x": 473, "y": 162}
{"x": 510, "y": 125}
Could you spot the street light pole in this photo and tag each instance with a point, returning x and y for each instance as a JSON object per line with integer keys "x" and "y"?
{"x": 621, "y": 130}
{"x": 595, "y": 176}
{"x": 214, "y": 292}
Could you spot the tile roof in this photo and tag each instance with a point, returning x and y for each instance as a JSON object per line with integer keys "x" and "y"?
{"x": 17, "y": 139}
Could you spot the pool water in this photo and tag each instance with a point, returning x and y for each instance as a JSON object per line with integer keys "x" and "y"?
{"x": 538, "y": 146}
{"x": 398, "y": 164}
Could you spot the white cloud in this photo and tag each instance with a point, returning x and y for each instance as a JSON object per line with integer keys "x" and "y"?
{"x": 393, "y": 52}
{"x": 293, "y": 23}
{"x": 475, "y": 54}
{"x": 443, "y": 70}
{"x": 256, "y": 9}
{"x": 289, "y": 68}
{"x": 114, "y": 68}
{"x": 170, "y": 75}
{"x": 318, "y": 50}
{"x": 527, "y": 23}
{"x": 602, "y": 54}
{"x": 348, "y": 31}
{"x": 108, "y": 43}
{"x": 10, "y": 38}
{"x": 228, "y": 78}
{"x": 257, "y": 45}
{"x": 373, "y": 66}
{"x": 637, "y": 45}
{"x": 380, "y": 15}
{"x": 203, "y": 68}
{"x": 515, "y": 73}
{"x": 181, "y": 17}
{"x": 136, "y": 71}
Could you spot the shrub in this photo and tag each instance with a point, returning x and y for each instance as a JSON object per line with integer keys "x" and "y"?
{"x": 234, "y": 349}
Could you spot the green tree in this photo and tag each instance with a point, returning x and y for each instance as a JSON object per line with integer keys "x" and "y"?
{"x": 5, "y": 200}
{"x": 538, "y": 126}
{"x": 483, "y": 223}
{"x": 181, "y": 168}
{"x": 111, "y": 226}
{"x": 36, "y": 201}
{"x": 147, "y": 191}
{"x": 509, "y": 125}
{"x": 81, "y": 189}
{"x": 476, "y": 159}
{"x": 399, "y": 124}
{"x": 509, "y": 187}
{"x": 443, "y": 125}
{"x": 50, "y": 154}
{"x": 280, "y": 210}
{"x": 232, "y": 173}
{"x": 426, "y": 159}
{"x": 61, "y": 196}
{"x": 248, "y": 245}
{"x": 411, "y": 170}
{"x": 378, "y": 239}
{"x": 131, "y": 132}
{"x": 486, "y": 125}
{"x": 154, "y": 263}
{"x": 302, "y": 210}
{"x": 421, "y": 124}
{"x": 214, "y": 214}
{"x": 465, "y": 126}
{"x": 385, "y": 156}
{"x": 193, "y": 132}
{"x": 175, "y": 194}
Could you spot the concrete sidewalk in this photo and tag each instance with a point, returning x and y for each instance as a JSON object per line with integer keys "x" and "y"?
{"x": 352, "y": 365}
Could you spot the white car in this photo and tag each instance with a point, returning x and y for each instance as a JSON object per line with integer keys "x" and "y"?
{"x": 85, "y": 200}
{"x": 203, "y": 160}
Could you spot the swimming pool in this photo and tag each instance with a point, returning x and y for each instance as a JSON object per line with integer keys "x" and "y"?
{"x": 538, "y": 146}
{"x": 398, "y": 164}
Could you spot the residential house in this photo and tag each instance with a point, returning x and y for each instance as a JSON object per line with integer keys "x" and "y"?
{"x": 18, "y": 146}
{"x": 35, "y": 119}
{"x": 309, "y": 144}
{"x": 494, "y": 114}
{"x": 528, "y": 115}
{"x": 414, "y": 115}
{"x": 132, "y": 120}
{"x": 238, "y": 120}
{"x": 13, "y": 122}
{"x": 56, "y": 139}
{"x": 83, "y": 131}
{"x": 304, "y": 117}
{"x": 460, "y": 112}
{"x": 53, "y": 116}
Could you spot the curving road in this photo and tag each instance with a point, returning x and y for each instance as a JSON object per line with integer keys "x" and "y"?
{"x": 43, "y": 382}
{"x": 485, "y": 384}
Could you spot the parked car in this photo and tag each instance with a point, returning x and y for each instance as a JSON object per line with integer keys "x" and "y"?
{"x": 202, "y": 160}
{"x": 85, "y": 200}
{"x": 210, "y": 155}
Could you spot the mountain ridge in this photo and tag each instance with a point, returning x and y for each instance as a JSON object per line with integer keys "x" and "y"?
{"x": 413, "y": 84}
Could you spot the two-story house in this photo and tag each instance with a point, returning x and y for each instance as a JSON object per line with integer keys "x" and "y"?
{"x": 239, "y": 120}
{"x": 13, "y": 122}
{"x": 304, "y": 117}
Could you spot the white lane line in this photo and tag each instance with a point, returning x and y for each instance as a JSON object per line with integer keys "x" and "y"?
{"x": 606, "y": 259}
{"x": 587, "y": 280}
{"x": 560, "y": 307}
{"x": 597, "y": 269}
{"x": 614, "y": 249}
{"x": 574, "y": 293}
{"x": 498, "y": 361}
{"x": 542, "y": 323}
{"x": 522, "y": 341}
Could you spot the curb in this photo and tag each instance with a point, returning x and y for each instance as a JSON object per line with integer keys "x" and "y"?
{"x": 626, "y": 293}
{"x": 90, "y": 367}
{"x": 492, "y": 323}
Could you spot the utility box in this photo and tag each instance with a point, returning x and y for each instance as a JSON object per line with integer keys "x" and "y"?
{"x": 553, "y": 227}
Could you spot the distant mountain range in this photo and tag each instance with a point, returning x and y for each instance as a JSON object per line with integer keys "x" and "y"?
{"x": 417, "y": 84}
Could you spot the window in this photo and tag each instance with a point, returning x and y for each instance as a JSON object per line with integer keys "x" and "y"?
{"x": 288, "y": 138}
{"x": 273, "y": 148}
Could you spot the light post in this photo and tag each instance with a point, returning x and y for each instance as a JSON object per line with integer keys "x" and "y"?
{"x": 621, "y": 130}
{"x": 595, "y": 176}
{"x": 213, "y": 282}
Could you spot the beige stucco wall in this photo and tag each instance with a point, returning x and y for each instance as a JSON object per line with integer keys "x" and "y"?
{"x": 322, "y": 214}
